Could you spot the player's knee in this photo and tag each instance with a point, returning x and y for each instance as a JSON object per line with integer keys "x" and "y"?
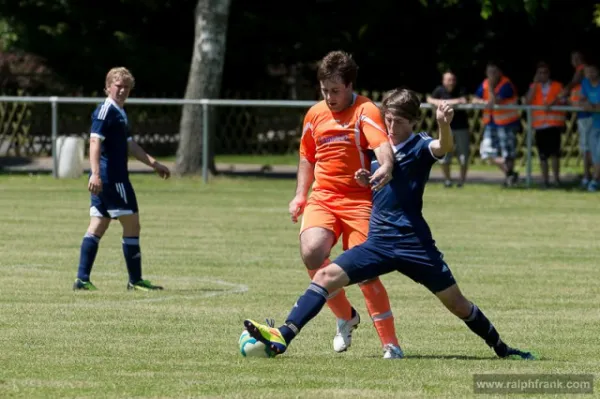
{"x": 131, "y": 226}
{"x": 98, "y": 226}
{"x": 315, "y": 246}
{"x": 330, "y": 278}
{"x": 313, "y": 261}
{"x": 313, "y": 256}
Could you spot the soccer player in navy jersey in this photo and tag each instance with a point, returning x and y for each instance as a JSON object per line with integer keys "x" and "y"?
{"x": 399, "y": 237}
{"x": 112, "y": 195}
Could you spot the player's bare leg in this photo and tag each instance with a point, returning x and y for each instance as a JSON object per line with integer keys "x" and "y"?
{"x": 315, "y": 247}
{"x": 474, "y": 318}
{"x": 89, "y": 249}
{"x": 133, "y": 254}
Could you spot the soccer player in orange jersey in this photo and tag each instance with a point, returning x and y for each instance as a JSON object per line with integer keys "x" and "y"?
{"x": 336, "y": 136}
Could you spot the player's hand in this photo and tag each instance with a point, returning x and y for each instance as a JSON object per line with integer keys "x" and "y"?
{"x": 444, "y": 114}
{"x": 161, "y": 170}
{"x": 95, "y": 184}
{"x": 381, "y": 177}
{"x": 296, "y": 207}
{"x": 362, "y": 177}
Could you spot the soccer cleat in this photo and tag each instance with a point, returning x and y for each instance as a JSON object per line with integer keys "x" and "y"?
{"x": 343, "y": 336}
{"x": 269, "y": 336}
{"x": 391, "y": 351}
{"x": 513, "y": 353}
{"x": 143, "y": 285}
{"x": 84, "y": 285}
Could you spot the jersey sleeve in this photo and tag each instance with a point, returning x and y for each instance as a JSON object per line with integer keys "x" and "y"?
{"x": 100, "y": 125}
{"x": 425, "y": 154}
{"x": 372, "y": 126}
{"x": 308, "y": 148}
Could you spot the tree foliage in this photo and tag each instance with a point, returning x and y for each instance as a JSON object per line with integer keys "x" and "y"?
{"x": 80, "y": 40}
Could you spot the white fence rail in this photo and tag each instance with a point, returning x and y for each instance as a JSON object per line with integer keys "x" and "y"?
{"x": 207, "y": 103}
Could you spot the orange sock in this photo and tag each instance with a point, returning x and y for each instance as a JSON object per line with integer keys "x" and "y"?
{"x": 378, "y": 305}
{"x": 337, "y": 301}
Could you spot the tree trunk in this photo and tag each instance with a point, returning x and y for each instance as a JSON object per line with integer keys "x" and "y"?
{"x": 204, "y": 81}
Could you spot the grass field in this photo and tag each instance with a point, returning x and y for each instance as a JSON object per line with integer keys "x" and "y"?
{"x": 571, "y": 167}
{"x": 227, "y": 251}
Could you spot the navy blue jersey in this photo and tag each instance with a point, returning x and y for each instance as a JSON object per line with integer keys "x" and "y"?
{"x": 398, "y": 207}
{"x": 109, "y": 124}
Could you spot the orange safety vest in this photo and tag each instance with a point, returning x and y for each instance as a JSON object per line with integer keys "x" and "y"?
{"x": 543, "y": 118}
{"x": 575, "y": 95}
{"x": 501, "y": 117}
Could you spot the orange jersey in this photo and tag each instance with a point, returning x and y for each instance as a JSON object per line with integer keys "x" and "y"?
{"x": 337, "y": 143}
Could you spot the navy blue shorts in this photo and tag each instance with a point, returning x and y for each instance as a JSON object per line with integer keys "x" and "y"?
{"x": 115, "y": 200}
{"x": 373, "y": 258}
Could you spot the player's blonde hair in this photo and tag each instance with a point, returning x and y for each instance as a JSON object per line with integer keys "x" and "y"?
{"x": 403, "y": 103}
{"x": 121, "y": 73}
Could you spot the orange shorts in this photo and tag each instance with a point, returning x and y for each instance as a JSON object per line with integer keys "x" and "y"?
{"x": 346, "y": 217}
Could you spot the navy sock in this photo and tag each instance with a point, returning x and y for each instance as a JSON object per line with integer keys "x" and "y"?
{"x": 306, "y": 308}
{"x": 481, "y": 326}
{"x": 89, "y": 249}
{"x": 133, "y": 258}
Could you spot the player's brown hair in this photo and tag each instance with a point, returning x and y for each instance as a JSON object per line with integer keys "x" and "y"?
{"x": 403, "y": 103}
{"x": 338, "y": 64}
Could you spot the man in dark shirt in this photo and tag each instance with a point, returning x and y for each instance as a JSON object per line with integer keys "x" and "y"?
{"x": 449, "y": 91}
{"x": 112, "y": 194}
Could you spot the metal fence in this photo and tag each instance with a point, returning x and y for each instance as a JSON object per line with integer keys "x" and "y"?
{"x": 236, "y": 126}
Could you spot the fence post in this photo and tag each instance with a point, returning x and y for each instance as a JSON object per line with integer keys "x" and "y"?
{"x": 54, "y": 105}
{"x": 529, "y": 146}
{"x": 205, "y": 141}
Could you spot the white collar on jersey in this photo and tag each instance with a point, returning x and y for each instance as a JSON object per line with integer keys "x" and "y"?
{"x": 114, "y": 103}
{"x": 399, "y": 146}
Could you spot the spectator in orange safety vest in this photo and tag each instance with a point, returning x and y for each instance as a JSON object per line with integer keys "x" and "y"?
{"x": 499, "y": 135}
{"x": 547, "y": 124}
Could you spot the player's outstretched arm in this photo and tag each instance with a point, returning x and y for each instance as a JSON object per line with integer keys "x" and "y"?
{"x": 141, "y": 155}
{"x": 445, "y": 142}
